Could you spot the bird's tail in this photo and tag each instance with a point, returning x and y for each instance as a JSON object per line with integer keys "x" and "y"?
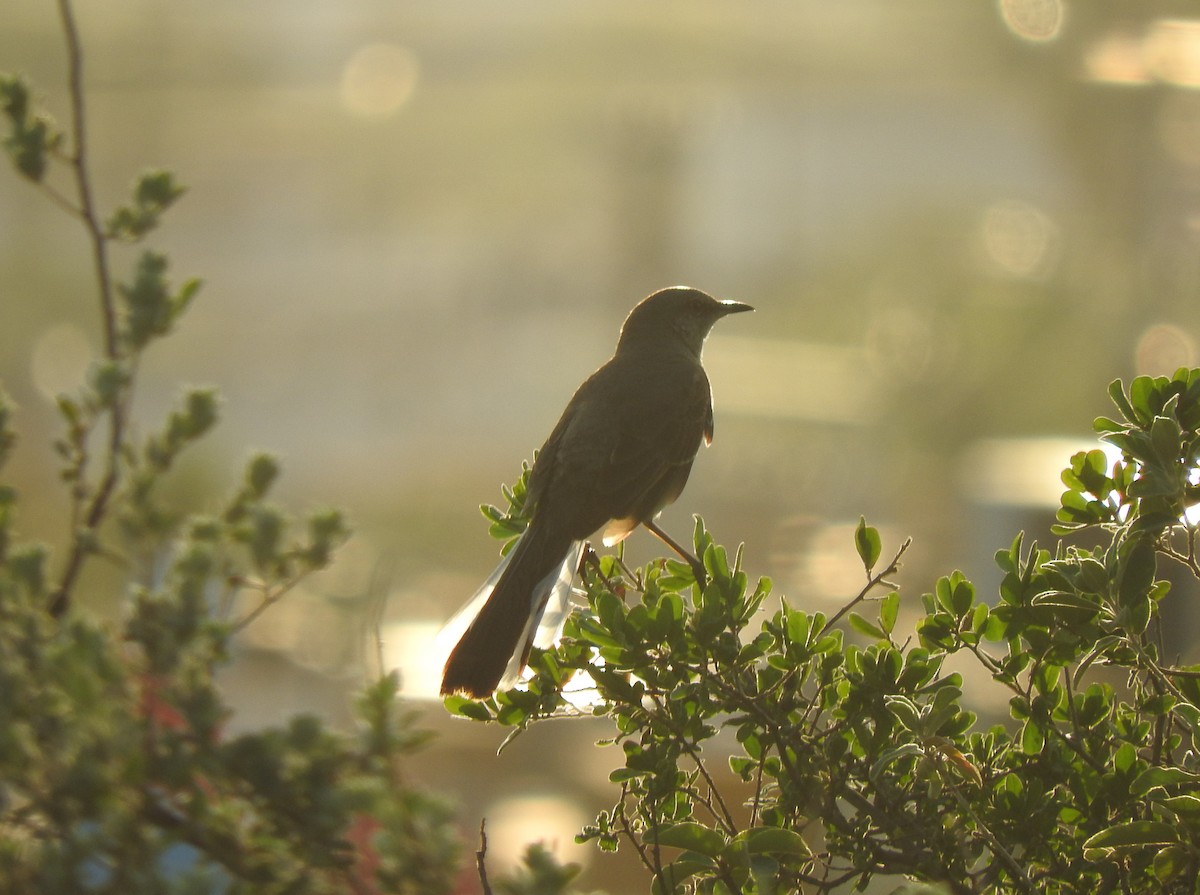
{"x": 523, "y": 603}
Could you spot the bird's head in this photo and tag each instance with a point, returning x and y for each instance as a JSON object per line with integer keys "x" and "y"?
{"x": 675, "y": 314}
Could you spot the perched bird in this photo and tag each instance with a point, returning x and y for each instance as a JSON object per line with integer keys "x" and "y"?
{"x": 620, "y": 453}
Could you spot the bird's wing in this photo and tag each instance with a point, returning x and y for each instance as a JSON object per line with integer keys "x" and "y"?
{"x": 623, "y": 448}
{"x": 656, "y": 442}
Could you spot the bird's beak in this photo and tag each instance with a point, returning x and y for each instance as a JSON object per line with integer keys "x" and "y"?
{"x": 733, "y": 307}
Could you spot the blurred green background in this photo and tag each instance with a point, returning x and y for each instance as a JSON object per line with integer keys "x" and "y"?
{"x": 420, "y": 226}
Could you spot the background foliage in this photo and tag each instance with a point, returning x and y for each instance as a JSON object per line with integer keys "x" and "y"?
{"x": 115, "y": 772}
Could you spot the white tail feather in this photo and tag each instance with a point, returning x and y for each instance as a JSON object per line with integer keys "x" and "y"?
{"x": 550, "y": 602}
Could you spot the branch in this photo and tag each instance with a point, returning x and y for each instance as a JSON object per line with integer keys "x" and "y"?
{"x": 725, "y": 818}
{"x": 873, "y": 582}
{"x": 626, "y": 829}
{"x": 269, "y": 598}
{"x": 98, "y": 506}
{"x": 1018, "y": 872}
{"x": 480, "y": 855}
{"x": 78, "y": 160}
{"x": 1180, "y": 672}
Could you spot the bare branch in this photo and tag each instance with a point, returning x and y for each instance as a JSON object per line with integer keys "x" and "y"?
{"x": 480, "y": 856}
{"x": 98, "y": 505}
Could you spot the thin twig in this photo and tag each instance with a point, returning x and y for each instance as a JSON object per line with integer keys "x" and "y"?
{"x": 97, "y": 507}
{"x": 726, "y": 820}
{"x": 1180, "y": 672}
{"x": 59, "y": 199}
{"x": 872, "y": 582}
{"x": 1018, "y": 872}
{"x": 269, "y": 599}
{"x": 698, "y": 569}
{"x": 591, "y": 558}
{"x": 480, "y": 856}
{"x": 626, "y": 829}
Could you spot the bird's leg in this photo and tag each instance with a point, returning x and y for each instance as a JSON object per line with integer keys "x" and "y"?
{"x": 588, "y": 558}
{"x": 591, "y": 558}
{"x": 697, "y": 566}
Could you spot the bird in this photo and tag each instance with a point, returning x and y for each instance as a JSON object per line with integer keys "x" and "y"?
{"x": 621, "y": 451}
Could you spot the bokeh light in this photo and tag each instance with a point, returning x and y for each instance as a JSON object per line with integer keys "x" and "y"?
{"x": 59, "y": 359}
{"x": 1019, "y": 240}
{"x": 513, "y": 823}
{"x": 412, "y": 648}
{"x": 831, "y": 569}
{"x": 1117, "y": 58}
{"x": 1033, "y": 20}
{"x": 378, "y": 80}
{"x": 1172, "y": 51}
{"x": 900, "y": 341}
{"x": 1163, "y": 348}
{"x": 1021, "y": 472}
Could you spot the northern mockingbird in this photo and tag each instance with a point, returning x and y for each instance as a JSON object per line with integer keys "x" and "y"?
{"x": 620, "y": 453}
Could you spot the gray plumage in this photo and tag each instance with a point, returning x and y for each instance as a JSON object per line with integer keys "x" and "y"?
{"x": 621, "y": 451}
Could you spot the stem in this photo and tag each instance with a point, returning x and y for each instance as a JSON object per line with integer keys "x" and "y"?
{"x": 650, "y": 862}
{"x": 725, "y": 818}
{"x": 78, "y": 160}
{"x": 698, "y": 569}
{"x": 98, "y": 506}
{"x": 872, "y": 582}
{"x": 269, "y": 599}
{"x": 480, "y": 856}
{"x": 1014, "y": 868}
{"x": 1180, "y": 672}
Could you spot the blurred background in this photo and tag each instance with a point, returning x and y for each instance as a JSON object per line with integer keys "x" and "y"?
{"x": 421, "y": 225}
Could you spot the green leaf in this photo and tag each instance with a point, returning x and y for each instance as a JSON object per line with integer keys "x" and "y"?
{"x": 1170, "y": 863}
{"x": 868, "y": 544}
{"x": 1142, "y": 396}
{"x": 691, "y": 836}
{"x": 863, "y": 626}
{"x": 979, "y": 618}
{"x": 1125, "y": 756}
{"x": 1154, "y": 777}
{"x": 1032, "y": 738}
{"x": 907, "y": 750}
{"x": 1131, "y": 835}
{"x": 680, "y": 871}
{"x": 905, "y": 710}
{"x": 716, "y": 562}
{"x": 963, "y": 597}
{"x": 889, "y": 609}
{"x": 154, "y": 192}
{"x": 466, "y": 707}
{"x": 1186, "y": 806}
{"x": 14, "y": 96}
{"x": 150, "y": 307}
{"x": 1136, "y": 571}
{"x": 775, "y": 841}
{"x": 1116, "y": 391}
{"x": 1059, "y": 599}
{"x": 1165, "y": 437}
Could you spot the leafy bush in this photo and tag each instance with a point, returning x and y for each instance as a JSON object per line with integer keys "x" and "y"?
{"x": 115, "y": 771}
{"x": 856, "y": 759}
